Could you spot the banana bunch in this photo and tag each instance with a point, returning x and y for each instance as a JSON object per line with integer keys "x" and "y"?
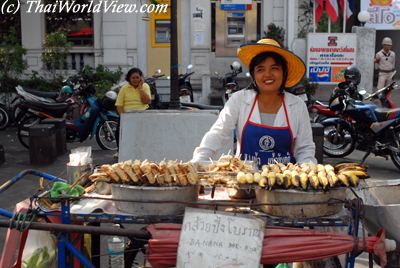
{"x": 353, "y": 172}
{"x": 304, "y": 176}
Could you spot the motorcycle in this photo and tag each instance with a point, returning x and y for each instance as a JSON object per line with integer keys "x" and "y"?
{"x": 320, "y": 111}
{"x": 229, "y": 82}
{"x": 363, "y": 127}
{"x": 185, "y": 87}
{"x": 155, "y": 97}
{"x": 98, "y": 119}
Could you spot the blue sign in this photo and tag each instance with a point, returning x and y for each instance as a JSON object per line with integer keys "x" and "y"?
{"x": 320, "y": 73}
{"x": 235, "y": 7}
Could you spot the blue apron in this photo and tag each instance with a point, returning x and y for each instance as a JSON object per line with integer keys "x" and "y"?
{"x": 267, "y": 144}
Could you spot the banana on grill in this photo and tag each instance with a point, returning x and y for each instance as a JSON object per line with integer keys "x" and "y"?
{"x": 295, "y": 178}
{"x": 271, "y": 179}
{"x": 279, "y": 179}
{"x": 323, "y": 180}
{"x": 263, "y": 182}
{"x": 314, "y": 181}
{"x": 332, "y": 179}
{"x": 287, "y": 178}
{"x": 304, "y": 181}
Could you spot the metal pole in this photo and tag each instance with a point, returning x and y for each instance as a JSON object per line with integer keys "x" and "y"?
{"x": 20, "y": 175}
{"x": 314, "y": 23}
{"x": 73, "y": 228}
{"x": 174, "y": 94}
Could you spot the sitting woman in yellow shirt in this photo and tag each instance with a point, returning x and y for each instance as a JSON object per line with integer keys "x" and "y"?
{"x": 135, "y": 95}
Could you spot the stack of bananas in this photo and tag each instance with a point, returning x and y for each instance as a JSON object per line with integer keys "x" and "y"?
{"x": 305, "y": 176}
{"x": 147, "y": 173}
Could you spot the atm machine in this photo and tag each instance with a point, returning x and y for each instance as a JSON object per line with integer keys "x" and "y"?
{"x": 234, "y": 28}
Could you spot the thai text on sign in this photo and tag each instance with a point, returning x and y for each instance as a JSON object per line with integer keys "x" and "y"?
{"x": 217, "y": 239}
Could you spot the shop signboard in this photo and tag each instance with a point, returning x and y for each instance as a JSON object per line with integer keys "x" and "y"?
{"x": 217, "y": 239}
{"x": 328, "y": 55}
{"x": 233, "y": 5}
{"x": 384, "y": 14}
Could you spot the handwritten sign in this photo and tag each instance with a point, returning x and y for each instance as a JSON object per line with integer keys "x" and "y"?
{"x": 328, "y": 55}
{"x": 219, "y": 239}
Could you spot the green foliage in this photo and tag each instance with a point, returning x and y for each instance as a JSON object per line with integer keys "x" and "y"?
{"x": 322, "y": 26}
{"x": 102, "y": 77}
{"x": 275, "y": 32}
{"x": 38, "y": 82}
{"x": 56, "y": 49}
{"x": 12, "y": 63}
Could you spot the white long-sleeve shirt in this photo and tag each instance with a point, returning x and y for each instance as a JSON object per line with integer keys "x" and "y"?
{"x": 235, "y": 114}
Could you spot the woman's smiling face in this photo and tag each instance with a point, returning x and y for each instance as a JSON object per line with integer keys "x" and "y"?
{"x": 134, "y": 79}
{"x": 268, "y": 76}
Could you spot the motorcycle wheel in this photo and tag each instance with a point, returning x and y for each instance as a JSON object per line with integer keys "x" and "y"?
{"x": 393, "y": 155}
{"x": 4, "y": 118}
{"x": 23, "y": 128}
{"x": 105, "y": 134}
{"x": 339, "y": 145}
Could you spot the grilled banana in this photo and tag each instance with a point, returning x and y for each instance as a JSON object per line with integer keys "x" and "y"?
{"x": 323, "y": 180}
{"x": 332, "y": 179}
{"x": 279, "y": 179}
{"x": 287, "y": 181}
{"x": 295, "y": 178}
{"x": 304, "y": 181}
{"x": 263, "y": 183}
{"x": 344, "y": 179}
{"x": 271, "y": 178}
{"x": 314, "y": 181}
{"x": 329, "y": 168}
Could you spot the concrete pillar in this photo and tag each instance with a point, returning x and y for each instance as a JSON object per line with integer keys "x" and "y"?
{"x": 32, "y": 32}
{"x": 267, "y": 14}
{"x": 184, "y": 41}
{"x": 291, "y": 22}
{"x": 205, "y": 89}
{"x": 365, "y": 55}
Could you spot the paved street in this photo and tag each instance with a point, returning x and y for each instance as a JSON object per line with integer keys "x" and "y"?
{"x": 17, "y": 159}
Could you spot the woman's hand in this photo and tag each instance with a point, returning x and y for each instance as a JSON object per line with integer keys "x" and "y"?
{"x": 140, "y": 86}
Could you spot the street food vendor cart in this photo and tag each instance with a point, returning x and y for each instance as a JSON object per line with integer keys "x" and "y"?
{"x": 156, "y": 194}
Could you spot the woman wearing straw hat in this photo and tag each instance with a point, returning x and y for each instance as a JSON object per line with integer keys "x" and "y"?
{"x": 272, "y": 124}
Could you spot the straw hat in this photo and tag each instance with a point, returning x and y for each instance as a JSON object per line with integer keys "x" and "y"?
{"x": 296, "y": 67}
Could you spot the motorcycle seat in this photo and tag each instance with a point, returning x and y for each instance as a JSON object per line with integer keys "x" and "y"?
{"x": 55, "y": 109}
{"x": 44, "y": 94}
{"x": 384, "y": 114}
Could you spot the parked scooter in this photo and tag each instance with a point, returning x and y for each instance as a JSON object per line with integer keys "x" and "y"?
{"x": 371, "y": 129}
{"x": 320, "y": 111}
{"x": 185, "y": 87}
{"x": 99, "y": 118}
{"x": 155, "y": 97}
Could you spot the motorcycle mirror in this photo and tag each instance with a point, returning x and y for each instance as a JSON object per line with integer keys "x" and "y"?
{"x": 216, "y": 73}
{"x": 158, "y": 71}
{"x": 189, "y": 67}
{"x": 248, "y": 74}
{"x": 362, "y": 91}
{"x": 236, "y": 65}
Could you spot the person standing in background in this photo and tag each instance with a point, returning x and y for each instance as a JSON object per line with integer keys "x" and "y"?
{"x": 385, "y": 61}
{"x": 134, "y": 95}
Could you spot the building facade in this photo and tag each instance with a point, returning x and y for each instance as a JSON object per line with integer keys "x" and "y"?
{"x": 209, "y": 32}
